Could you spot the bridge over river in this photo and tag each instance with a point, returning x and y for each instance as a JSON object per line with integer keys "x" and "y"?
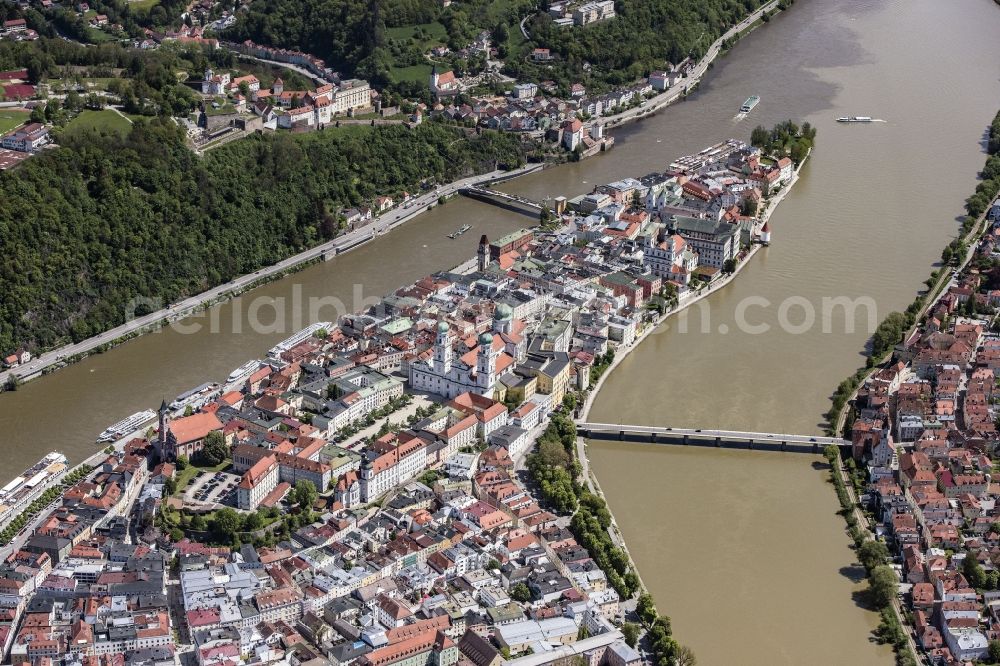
{"x": 726, "y": 439}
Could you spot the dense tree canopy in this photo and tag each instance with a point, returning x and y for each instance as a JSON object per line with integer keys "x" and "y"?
{"x": 343, "y": 32}
{"x": 644, "y": 36}
{"x": 352, "y": 36}
{"x": 87, "y": 228}
{"x": 785, "y": 138}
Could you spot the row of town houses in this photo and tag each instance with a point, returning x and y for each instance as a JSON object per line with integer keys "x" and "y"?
{"x": 925, "y": 432}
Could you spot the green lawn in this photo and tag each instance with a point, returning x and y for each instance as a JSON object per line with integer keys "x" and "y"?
{"x": 11, "y": 118}
{"x": 434, "y": 34}
{"x": 97, "y": 36}
{"x": 142, "y": 5}
{"x": 418, "y": 73}
{"x": 496, "y": 10}
{"x": 102, "y": 121}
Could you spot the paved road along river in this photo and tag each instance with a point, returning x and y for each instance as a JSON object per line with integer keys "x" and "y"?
{"x": 743, "y": 550}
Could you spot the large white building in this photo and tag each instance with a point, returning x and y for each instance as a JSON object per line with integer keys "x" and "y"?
{"x": 257, "y": 482}
{"x": 671, "y": 258}
{"x": 352, "y": 94}
{"x": 381, "y": 473}
{"x": 716, "y": 241}
{"x": 476, "y": 371}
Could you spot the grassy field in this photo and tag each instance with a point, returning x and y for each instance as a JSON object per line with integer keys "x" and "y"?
{"x": 102, "y": 121}
{"x": 418, "y": 73}
{"x": 432, "y": 34}
{"x": 142, "y": 6}
{"x": 11, "y": 118}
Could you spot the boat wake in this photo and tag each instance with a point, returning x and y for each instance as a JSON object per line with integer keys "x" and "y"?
{"x": 739, "y": 116}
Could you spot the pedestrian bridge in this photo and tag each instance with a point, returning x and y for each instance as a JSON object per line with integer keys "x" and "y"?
{"x": 725, "y": 439}
{"x": 504, "y": 200}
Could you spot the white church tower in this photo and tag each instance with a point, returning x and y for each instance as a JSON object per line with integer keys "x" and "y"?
{"x": 486, "y": 364}
{"x": 442, "y": 349}
{"x": 502, "y": 318}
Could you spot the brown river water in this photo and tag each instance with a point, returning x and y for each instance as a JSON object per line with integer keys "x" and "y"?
{"x": 743, "y": 550}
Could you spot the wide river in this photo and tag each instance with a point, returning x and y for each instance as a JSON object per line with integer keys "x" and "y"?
{"x": 744, "y": 551}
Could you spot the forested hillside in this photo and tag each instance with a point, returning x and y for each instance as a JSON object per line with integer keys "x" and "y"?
{"x": 342, "y": 32}
{"x": 644, "y": 35}
{"x": 355, "y": 36}
{"x": 89, "y": 226}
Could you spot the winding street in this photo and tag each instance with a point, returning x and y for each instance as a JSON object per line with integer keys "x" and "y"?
{"x": 524, "y": 29}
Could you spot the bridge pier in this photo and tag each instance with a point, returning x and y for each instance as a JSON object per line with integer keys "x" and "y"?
{"x": 750, "y": 444}
{"x": 718, "y": 442}
{"x": 784, "y": 445}
{"x": 652, "y": 437}
{"x": 621, "y": 435}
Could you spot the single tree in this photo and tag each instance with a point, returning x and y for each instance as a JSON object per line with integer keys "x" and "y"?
{"x": 630, "y": 632}
{"x": 304, "y": 494}
{"x": 646, "y": 608}
{"x": 521, "y": 593}
{"x": 994, "y": 651}
{"x": 684, "y": 656}
{"x": 872, "y": 553}
{"x": 882, "y": 586}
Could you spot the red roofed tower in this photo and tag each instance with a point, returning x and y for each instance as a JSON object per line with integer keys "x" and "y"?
{"x": 765, "y": 233}
{"x": 484, "y": 253}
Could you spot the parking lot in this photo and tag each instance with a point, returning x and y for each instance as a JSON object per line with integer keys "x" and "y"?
{"x": 212, "y": 489}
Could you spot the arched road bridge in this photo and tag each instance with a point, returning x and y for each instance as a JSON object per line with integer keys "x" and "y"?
{"x": 726, "y": 439}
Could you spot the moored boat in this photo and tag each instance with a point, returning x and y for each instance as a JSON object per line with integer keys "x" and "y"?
{"x": 125, "y": 426}
{"x": 243, "y": 371}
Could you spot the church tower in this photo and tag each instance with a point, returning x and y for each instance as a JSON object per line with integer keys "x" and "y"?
{"x": 161, "y": 436}
{"x": 442, "y": 349}
{"x": 486, "y": 364}
{"x": 502, "y": 318}
{"x": 483, "y": 253}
